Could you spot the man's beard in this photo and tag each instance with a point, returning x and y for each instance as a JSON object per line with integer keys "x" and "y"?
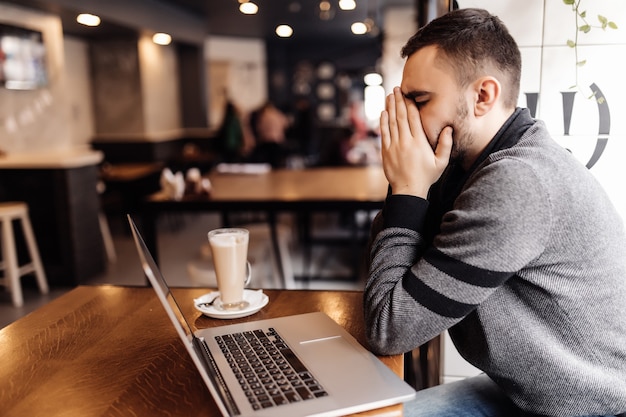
{"x": 461, "y": 136}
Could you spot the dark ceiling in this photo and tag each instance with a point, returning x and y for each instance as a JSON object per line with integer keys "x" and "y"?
{"x": 223, "y": 18}
{"x": 107, "y": 28}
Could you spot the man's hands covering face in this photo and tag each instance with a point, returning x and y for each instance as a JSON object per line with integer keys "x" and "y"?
{"x": 410, "y": 164}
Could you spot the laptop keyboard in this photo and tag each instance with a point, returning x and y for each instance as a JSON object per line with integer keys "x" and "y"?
{"x": 268, "y": 371}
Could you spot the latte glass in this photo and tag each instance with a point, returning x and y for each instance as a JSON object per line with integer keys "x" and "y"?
{"x": 229, "y": 247}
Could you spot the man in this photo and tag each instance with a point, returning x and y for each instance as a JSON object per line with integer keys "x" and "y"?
{"x": 495, "y": 232}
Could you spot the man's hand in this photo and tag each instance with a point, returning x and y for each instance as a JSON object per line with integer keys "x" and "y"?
{"x": 410, "y": 164}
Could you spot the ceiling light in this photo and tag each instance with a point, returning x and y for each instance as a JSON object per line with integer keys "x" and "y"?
{"x": 248, "y": 8}
{"x": 358, "y": 28}
{"x": 373, "y": 78}
{"x": 88, "y": 19}
{"x": 284, "y": 31}
{"x": 161, "y": 39}
{"x": 324, "y": 5}
{"x": 347, "y": 4}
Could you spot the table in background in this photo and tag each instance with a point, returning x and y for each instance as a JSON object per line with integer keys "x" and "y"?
{"x": 127, "y": 184}
{"x": 112, "y": 351}
{"x": 338, "y": 189}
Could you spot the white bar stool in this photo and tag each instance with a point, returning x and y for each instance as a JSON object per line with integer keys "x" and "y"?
{"x": 10, "y": 211}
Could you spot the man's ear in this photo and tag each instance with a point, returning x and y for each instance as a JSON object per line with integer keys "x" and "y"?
{"x": 488, "y": 90}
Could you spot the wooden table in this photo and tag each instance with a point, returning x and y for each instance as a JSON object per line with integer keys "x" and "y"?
{"x": 112, "y": 351}
{"x": 338, "y": 189}
{"x": 127, "y": 184}
{"x": 129, "y": 172}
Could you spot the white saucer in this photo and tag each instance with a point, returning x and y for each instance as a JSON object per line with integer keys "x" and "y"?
{"x": 256, "y": 298}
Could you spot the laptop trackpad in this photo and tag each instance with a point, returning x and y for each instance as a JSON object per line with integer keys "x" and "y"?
{"x": 335, "y": 361}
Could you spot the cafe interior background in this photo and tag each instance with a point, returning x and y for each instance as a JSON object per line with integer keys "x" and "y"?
{"x": 113, "y": 96}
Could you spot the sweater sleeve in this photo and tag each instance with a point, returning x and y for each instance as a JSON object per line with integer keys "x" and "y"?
{"x": 414, "y": 291}
{"x": 405, "y": 211}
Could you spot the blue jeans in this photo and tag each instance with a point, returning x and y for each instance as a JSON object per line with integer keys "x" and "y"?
{"x": 471, "y": 397}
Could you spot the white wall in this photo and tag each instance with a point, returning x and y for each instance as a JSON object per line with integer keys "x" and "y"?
{"x": 243, "y": 65}
{"x": 158, "y": 70}
{"x": 37, "y": 120}
{"x": 79, "y": 96}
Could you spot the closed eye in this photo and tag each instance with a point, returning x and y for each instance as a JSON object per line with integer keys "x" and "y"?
{"x": 420, "y": 98}
{"x": 420, "y": 104}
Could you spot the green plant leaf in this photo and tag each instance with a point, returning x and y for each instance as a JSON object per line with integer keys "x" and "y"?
{"x": 583, "y": 26}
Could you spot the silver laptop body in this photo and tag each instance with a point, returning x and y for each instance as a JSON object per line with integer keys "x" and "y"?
{"x": 342, "y": 377}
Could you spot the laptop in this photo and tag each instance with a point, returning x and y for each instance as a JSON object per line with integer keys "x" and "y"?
{"x": 299, "y": 365}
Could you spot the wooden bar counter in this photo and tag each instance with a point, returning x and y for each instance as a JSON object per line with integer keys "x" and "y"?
{"x": 112, "y": 351}
{"x": 63, "y": 203}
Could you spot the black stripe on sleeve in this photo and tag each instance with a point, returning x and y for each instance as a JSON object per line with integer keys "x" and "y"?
{"x": 432, "y": 300}
{"x": 464, "y": 272}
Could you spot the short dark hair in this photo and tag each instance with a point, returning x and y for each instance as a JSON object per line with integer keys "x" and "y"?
{"x": 473, "y": 40}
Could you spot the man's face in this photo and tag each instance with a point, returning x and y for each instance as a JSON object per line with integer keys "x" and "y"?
{"x": 439, "y": 99}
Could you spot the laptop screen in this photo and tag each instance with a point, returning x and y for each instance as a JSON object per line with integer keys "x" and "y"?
{"x": 195, "y": 346}
{"x": 152, "y": 271}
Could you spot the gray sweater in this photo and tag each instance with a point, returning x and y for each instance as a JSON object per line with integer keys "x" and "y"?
{"x": 527, "y": 270}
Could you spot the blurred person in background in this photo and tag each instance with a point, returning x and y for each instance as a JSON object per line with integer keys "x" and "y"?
{"x": 269, "y": 125}
{"x": 234, "y": 140}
